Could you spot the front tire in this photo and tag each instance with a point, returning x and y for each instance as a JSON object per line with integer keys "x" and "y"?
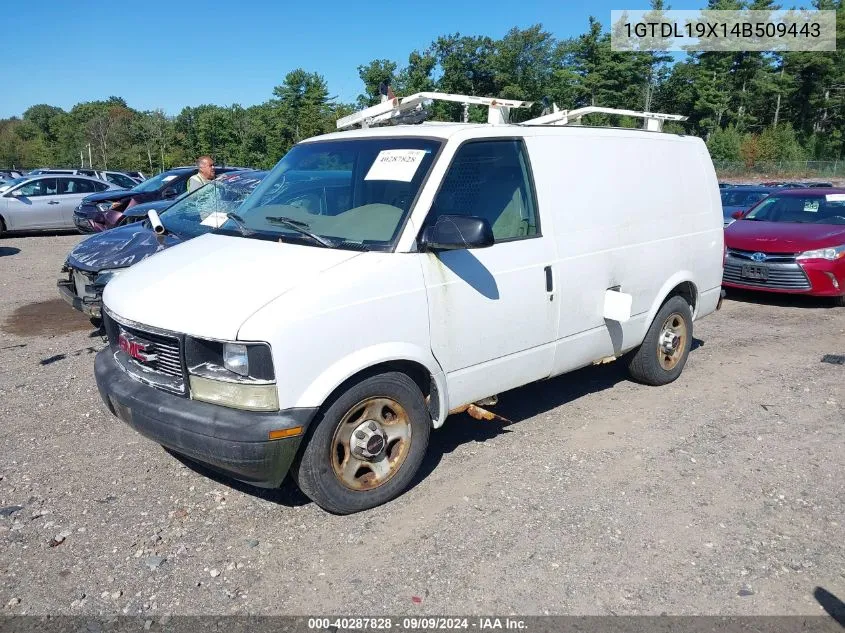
{"x": 664, "y": 351}
{"x": 366, "y": 447}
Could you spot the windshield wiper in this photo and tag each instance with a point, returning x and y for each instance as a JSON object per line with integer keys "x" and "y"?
{"x": 299, "y": 227}
{"x": 245, "y": 231}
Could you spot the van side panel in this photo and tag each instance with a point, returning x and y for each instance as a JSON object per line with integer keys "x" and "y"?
{"x": 632, "y": 210}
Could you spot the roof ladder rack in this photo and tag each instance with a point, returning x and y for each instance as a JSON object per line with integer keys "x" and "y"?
{"x": 652, "y": 120}
{"x": 392, "y": 110}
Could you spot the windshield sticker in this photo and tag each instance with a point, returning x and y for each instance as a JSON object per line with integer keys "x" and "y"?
{"x": 811, "y": 206}
{"x": 835, "y": 197}
{"x": 396, "y": 164}
{"x": 215, "y": 219}
{"x": 167, "y": 178}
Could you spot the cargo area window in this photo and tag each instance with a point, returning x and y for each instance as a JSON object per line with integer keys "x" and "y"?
{"x": 490, "y": 180}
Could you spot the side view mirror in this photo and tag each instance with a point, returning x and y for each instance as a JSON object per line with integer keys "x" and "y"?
{"x": 170, "y": 192}
{"x": 17, "y": 193}
{"x": 456, "y": 232}
{"x": 736, "y": 215}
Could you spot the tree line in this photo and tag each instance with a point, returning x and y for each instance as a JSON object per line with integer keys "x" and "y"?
{"x": 747, "y": 106}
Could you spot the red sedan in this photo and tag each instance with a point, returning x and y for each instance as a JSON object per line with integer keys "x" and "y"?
{"x": 792, "y": 242}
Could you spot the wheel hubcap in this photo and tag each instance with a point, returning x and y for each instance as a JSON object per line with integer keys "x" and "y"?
{"x": 371, "y": 443}
{"x": 672, "y": 341}
{"x": 368, "y": 440}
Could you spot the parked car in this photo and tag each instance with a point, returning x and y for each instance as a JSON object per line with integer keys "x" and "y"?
{"x": 98, "y": 258}
{"x": 328, "y": 337}
{"x": 9, "y": 174}
{"x": 794, "y": 184}
{"x": 104, "y": 211}
{"x": 736, "y": 200}
{"x": 118, "y": 178}
{"x": 137, "y": 175}
{"x": 33, "y": 203}
{"x": 791, "y": 242}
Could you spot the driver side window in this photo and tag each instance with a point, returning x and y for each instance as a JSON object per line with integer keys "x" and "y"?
{"x": 490, "y": 180}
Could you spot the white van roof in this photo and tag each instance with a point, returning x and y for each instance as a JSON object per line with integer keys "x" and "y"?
{"x": 439, "y": 130}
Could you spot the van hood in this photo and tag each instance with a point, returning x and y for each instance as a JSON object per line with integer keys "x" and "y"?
{"x": 210, "y": 285}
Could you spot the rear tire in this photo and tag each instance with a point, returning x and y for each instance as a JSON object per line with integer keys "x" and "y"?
{"x": 367, "y": 446}
{"x": 2, "y": 228}
{"x": 664, "y": 351}
{"x": 839, "y": 302}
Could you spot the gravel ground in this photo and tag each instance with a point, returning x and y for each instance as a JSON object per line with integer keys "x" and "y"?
{"x": 722, "y": 493}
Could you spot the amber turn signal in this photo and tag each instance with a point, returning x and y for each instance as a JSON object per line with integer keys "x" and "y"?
{"x": 281, "y": 433}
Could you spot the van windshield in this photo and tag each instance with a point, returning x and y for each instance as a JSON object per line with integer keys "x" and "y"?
{"x": 352, "y": 194}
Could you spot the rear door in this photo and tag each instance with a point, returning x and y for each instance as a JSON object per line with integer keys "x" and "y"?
{"x": 71, "y": 192}
{"x": 35, "y": 207}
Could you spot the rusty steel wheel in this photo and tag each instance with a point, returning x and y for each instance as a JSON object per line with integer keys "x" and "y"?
{"x": 664, "y": 350}
{"x": 371, "y": 443}
{"x": 671, "y": 344}
{"x": 366, "y": 446}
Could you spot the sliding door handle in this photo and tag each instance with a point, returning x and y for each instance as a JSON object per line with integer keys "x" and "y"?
{"x": 549, "y": 279}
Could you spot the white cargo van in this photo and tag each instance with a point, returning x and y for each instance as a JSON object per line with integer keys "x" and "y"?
{"x": 382, "y": 277}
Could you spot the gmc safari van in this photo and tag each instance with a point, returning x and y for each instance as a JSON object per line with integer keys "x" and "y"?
{"x": 429, "y": 267}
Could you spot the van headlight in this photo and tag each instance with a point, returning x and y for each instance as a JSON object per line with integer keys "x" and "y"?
{"x": 232, "y": 374}
{"x": 830, "y": 254}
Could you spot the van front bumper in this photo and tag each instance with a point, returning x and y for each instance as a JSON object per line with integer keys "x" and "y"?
{"x": 232, "y": 442}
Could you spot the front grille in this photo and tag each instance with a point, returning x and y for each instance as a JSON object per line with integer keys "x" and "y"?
{"x": 780, "y": 276}
{"x": 166, "y": 349}
{"x": 165, "y": 370}
{"x": 771, "y": 258}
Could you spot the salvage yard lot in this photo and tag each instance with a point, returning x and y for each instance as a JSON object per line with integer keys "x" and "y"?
{"x": 722, "y": 493}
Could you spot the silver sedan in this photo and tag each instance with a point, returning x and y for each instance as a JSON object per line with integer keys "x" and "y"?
{"x": 44, "y": 202}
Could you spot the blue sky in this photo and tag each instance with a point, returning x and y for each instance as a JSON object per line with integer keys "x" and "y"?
{"x": 169, "y": 55}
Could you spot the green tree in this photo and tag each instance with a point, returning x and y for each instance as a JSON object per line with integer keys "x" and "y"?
{"x": 725, "y": 144}
{"x": 373, "y": 74}
{"x": 302, "y": 108}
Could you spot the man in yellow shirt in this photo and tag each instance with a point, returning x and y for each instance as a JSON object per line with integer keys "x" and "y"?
{"x": 205, "y": 175}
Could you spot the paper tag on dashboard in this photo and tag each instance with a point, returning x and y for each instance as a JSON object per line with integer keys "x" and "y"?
{"x": 835, "y": 197}
{"x": 215, "y": 219}
{"x": 396, "y": 164}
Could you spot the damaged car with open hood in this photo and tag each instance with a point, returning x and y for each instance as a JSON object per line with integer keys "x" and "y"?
{"x": 99, "y": 258}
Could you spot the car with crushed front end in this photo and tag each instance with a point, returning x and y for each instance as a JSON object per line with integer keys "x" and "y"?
{"x": 100, "y": 212}
{"x": 97, "y": 259}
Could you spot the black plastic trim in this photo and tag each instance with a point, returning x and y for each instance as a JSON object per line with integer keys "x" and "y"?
{"x": 230, "y": 441}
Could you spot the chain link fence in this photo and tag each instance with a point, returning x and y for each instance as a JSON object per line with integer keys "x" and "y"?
{"x": 782, "y": 169}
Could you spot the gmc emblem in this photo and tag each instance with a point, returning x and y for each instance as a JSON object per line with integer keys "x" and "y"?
{"x": 135, "y": 347}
